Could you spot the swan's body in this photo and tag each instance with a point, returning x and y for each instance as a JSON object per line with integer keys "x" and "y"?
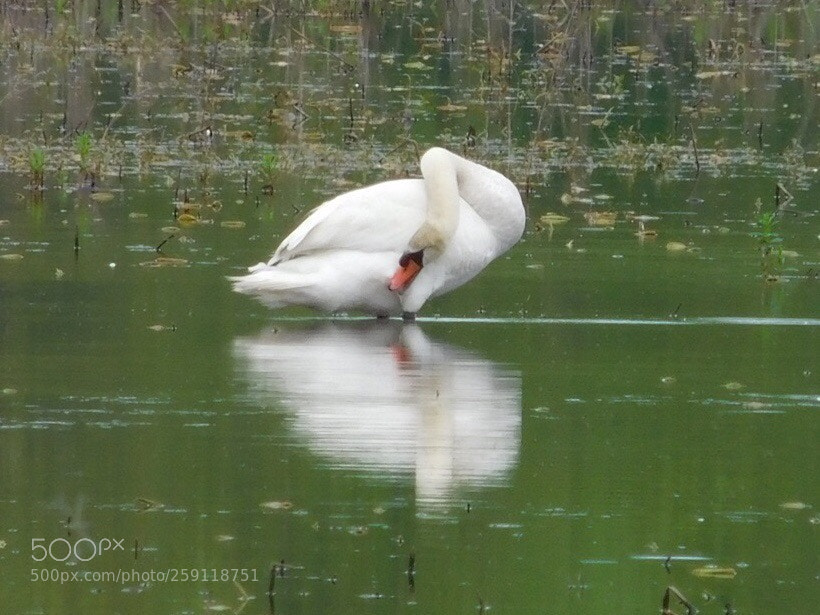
{"x": 447, "y": 226}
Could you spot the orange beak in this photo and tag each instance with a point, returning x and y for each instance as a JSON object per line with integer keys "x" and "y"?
{"x": 404, "y": 275}
{"x": 409, "y": 267}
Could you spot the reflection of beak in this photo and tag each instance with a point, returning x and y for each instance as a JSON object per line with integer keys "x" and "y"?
{"x": 409, "y": 267}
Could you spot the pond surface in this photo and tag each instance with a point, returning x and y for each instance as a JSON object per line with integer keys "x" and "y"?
{"x": 625, "y": 401}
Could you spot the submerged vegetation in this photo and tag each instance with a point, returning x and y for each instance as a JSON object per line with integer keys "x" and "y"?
{"x": 196, "y": 96}
{"x": 557, "y": 88}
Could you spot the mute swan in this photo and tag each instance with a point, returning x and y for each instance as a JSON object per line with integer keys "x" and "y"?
{"x": 387, "y": 248}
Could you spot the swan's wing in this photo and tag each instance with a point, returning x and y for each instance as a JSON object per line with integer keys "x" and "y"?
{"x": 378, "y": 218}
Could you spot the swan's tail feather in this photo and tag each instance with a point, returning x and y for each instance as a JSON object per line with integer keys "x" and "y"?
{"x": 272, "y": 286}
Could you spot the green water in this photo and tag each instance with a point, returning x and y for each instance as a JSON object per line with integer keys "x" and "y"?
{"x": 595, "y": 417}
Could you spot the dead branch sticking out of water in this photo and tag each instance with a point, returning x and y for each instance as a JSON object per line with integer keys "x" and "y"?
{"x": 667, "y": 595}
{"x": 411, "y": 571}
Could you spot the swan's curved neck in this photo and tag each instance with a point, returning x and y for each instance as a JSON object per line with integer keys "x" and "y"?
{"x": 441, "y": 183}
{"x": 450, "y": 179}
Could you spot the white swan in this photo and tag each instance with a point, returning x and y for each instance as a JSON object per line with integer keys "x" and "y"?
{"x": 387, "y": 248}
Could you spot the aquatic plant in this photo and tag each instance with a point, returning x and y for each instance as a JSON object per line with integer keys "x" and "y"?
{"x": 769, "y": 240}
{"x": 83, "y": 144}
{"x": 37, "y": 165}
{"x": 267, "y": 168}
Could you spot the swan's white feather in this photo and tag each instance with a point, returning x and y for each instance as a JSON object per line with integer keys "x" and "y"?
{"x": 378, "y": 218}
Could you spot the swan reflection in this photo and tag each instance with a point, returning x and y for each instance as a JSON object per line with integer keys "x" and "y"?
{"x": 383, "y": 397}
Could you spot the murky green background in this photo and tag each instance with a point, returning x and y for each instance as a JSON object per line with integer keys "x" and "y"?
{"x": 595, "y": 417}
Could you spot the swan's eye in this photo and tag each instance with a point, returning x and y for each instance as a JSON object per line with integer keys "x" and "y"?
{"x": 416, "y": 257}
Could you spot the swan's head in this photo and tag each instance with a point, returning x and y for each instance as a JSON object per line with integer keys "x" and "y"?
{"x": 426, "y": 245}
{"x": 410, "y": 264}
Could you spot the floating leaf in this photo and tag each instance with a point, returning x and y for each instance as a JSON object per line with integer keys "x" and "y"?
{"x": 165, "y": 261}
{"x": 232, "y": 224}
{"x": 277, "y": 505}
{"x": 642, "y": 218}
{"x": 346, "y": 28}
{"x": 170, "y": 229}
{"x": 145, "y": 505}
{"x": 711, "y": 74}
{"x": 714, "y": 572}
{"x": 732, "y": 386}
{"x": 11, "y": 257}
{"x": 187, "y": 218}
{"x": 416, "y": 65}
{"x": 795, "y": 506}
{"x": 58, "y": 273}
{"x": 601, "y": 218}
{"x": 552, "y": 218}
{"x": 161, "y": 328}
{"x": 450, "y": 107}
{"x": 675, "y": 246}
{"x": 137, "y": 214}
{"x": 102, "y": 197}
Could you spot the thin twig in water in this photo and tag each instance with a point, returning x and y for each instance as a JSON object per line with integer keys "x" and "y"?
{"x": 348, "y": 67}
{"x": 780, "y": 188}
{"x": 163, "y": 242}
{"x": 173, "y": 23}
{"x": 404, "y": 143}
{"x": 271, "y": 588}
{"x": 695, "y": 148}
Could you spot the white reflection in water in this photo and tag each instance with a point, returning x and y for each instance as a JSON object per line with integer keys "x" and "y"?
{"x": 383, "y": 397}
